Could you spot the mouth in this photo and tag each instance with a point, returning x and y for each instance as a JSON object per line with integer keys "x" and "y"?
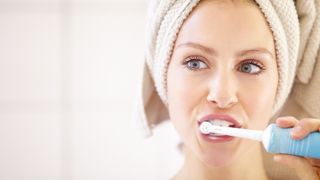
{"x": 219, "y": 120}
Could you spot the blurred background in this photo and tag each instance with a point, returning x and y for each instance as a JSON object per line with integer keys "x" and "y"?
{"x": 69, "y": 73}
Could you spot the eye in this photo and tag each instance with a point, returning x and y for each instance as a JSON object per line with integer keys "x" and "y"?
{"x": 195, "y": 64}
{"x": 251, "y": 67}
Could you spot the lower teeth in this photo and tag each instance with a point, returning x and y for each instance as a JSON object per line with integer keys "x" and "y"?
{"x": 214, "y": 134}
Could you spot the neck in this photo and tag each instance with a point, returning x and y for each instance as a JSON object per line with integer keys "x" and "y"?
{"x": 249, "y": 166}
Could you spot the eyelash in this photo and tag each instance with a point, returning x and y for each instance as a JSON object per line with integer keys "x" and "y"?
{"x": 249, "y": 61}
{"x": 192, "y": 58}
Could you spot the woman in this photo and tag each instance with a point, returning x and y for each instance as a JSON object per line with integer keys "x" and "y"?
{"x": 231, "y": 63}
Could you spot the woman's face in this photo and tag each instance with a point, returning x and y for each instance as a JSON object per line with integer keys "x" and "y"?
{"x": 223, "y": 67}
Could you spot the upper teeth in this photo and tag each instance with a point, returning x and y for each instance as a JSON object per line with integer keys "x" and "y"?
{"x": 220, "y": 122}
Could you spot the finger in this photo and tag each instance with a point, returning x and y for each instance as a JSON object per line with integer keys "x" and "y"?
{"x": 314, "y": 162}
{"x": 305, "y": 127}
{"x": 301, "y": 166}
{"x": 286, "y": 121}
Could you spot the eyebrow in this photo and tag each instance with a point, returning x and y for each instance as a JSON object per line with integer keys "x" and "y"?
{"x": 208, "y": 50}
{"x": 213, "y": 52}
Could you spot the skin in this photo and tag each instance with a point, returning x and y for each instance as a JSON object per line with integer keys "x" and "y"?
{"x": 227, "y": 66}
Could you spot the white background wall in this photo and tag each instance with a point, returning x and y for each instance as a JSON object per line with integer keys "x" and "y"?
{"x": 68, "y": 80}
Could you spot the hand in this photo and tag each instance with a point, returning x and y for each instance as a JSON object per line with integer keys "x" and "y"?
{"x": 306, "y": 168}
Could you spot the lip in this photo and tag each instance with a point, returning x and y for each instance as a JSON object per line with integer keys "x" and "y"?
{"x": 225, "y": 117}
{"x": 218, "y": 139}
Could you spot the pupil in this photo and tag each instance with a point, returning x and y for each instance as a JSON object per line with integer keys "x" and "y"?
{"x": 246, "y": 68}
{"x": 195, "y": 64}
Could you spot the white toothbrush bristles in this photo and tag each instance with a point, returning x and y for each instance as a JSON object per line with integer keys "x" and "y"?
{"x": 204, "y": 127}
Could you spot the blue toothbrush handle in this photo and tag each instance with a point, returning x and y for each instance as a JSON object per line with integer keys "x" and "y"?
{"x": 281, "y": 142}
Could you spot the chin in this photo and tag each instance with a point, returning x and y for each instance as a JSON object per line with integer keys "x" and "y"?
{"x": 217, "y": 158}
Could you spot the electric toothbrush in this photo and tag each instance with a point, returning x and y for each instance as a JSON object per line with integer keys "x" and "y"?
{"x": 274, "y": 139}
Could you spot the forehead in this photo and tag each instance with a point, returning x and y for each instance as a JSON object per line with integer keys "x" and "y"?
{"x": 233, "y": 23}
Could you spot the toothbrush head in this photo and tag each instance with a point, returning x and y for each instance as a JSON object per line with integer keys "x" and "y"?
{"x": 204, "y": 127}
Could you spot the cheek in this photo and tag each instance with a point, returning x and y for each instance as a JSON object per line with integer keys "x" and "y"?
{"x": 181, "y": 88}
{"x": 183, "y": 99}
{"x": 258, "y": 99}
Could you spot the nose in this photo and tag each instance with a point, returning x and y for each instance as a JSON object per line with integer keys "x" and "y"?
{"x": 223, "y": 91}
